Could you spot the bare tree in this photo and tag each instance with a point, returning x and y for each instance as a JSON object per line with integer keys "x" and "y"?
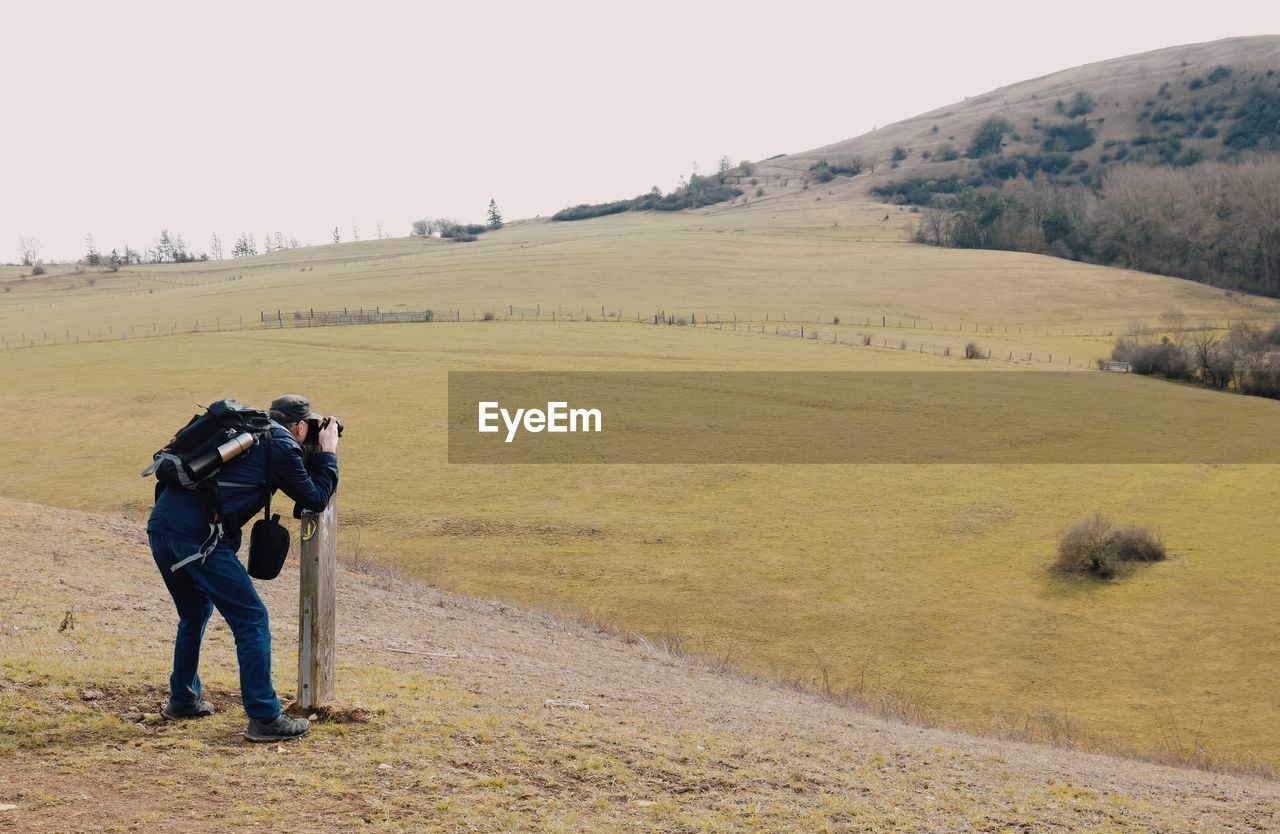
{"x": 30, "y": 250}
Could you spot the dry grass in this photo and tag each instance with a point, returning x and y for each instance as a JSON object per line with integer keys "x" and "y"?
{"x": 463, "y": 714}
{"x": 753, "y": 562}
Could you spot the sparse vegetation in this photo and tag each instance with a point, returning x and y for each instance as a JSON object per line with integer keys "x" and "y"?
{"x": 825, "y": 170}
{"x": 699, "y": 191}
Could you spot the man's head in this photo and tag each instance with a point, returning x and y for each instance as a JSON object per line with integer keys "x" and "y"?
{"x": 292, "y": 411}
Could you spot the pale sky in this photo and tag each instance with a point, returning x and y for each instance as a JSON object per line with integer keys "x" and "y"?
{"x": 120, "y": 119}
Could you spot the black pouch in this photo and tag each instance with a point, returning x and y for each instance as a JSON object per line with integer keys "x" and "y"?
{"x": 268, "y": 540}
{"x": 268, "y": 547}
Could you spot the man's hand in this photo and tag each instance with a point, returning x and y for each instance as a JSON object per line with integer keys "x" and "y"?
{"x": 329, "y": 436}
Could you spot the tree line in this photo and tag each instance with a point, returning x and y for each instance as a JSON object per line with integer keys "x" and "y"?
{"x": 1213, "y": 222}
{"x": 455, "y": 231}
{"x": 1246, "y": 359}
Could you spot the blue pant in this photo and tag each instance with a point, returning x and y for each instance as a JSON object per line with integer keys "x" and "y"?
{"x": 221, "y": 582}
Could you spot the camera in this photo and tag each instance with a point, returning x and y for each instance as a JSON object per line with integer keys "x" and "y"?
{"x": 315, "y": 425}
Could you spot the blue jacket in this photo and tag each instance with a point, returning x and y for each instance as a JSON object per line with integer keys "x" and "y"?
{"x": 241, "y": 495}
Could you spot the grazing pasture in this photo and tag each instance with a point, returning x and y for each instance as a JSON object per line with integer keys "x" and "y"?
{"x": 924, "y": 591}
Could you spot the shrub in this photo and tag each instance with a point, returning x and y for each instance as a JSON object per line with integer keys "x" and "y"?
{"x": 37, "y": 270}
{"x": 948, "y": 152}
{"x": 1220, "y": 73}
{"x": 488, "y": 316}
{"x": 989, "y": 136}
{"x": 899, "y": 153}
{"x": 1095, "y": 546}
{"x": 1081, "y": 103}
{"x": 973, "y": 351}
{"x": 1164, "y": 359}
{"x": 824, "y": 170}
{"x": 1075, "y": 136}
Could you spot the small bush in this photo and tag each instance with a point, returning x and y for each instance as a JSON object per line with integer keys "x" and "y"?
{"x": 1081, "y": 103}
{"x": 1095, "y": 546}
{"x": 973, "y": 351}
{"x": 37, "y": 270}
{"x": 488, "y": 316}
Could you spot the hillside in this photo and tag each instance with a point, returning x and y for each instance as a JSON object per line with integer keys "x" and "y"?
{"x": 463, "y": 714}
{"x": 1172, "y": 106}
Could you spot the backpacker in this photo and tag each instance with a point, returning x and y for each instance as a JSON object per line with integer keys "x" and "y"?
{"x": 196, "y": 454}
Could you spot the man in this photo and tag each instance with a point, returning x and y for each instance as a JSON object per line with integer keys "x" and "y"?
{"x": 177, "y": 528}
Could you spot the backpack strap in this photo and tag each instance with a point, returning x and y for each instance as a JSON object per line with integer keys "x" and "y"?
{"x": 215, "y": 536}
{"x": 265, "y": 437}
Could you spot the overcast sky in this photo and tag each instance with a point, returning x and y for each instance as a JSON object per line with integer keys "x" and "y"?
{"x": 119, "y": 119}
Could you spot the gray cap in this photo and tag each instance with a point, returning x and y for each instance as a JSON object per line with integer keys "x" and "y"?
{"x": 290, "y": 408}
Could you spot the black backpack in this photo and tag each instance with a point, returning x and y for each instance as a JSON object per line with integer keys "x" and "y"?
{"x": 191, "y": 459}
{"x": 195, "y": 456}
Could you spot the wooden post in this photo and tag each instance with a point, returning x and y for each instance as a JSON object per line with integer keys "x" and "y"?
{"x": 316, "y": 594}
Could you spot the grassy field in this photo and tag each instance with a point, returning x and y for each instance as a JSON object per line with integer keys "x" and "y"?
{"x": 805, "y": 264}
{"x": 924, "y": 591}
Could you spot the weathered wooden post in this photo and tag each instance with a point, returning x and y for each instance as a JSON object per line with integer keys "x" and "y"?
{"x": 317, "y": 588}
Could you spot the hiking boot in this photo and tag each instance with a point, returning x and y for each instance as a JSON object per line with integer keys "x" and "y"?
{"x": 280, "y": 728}
{"x": 200, "y": 709}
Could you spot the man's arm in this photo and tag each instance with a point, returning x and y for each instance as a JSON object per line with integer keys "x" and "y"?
{"x": 312, "y": 490}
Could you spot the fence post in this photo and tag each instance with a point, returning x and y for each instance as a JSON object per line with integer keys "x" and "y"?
{"x": 317, "y": 589}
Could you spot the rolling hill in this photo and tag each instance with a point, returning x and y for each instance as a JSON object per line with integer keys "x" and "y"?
{"x": 1172, "y": 106}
